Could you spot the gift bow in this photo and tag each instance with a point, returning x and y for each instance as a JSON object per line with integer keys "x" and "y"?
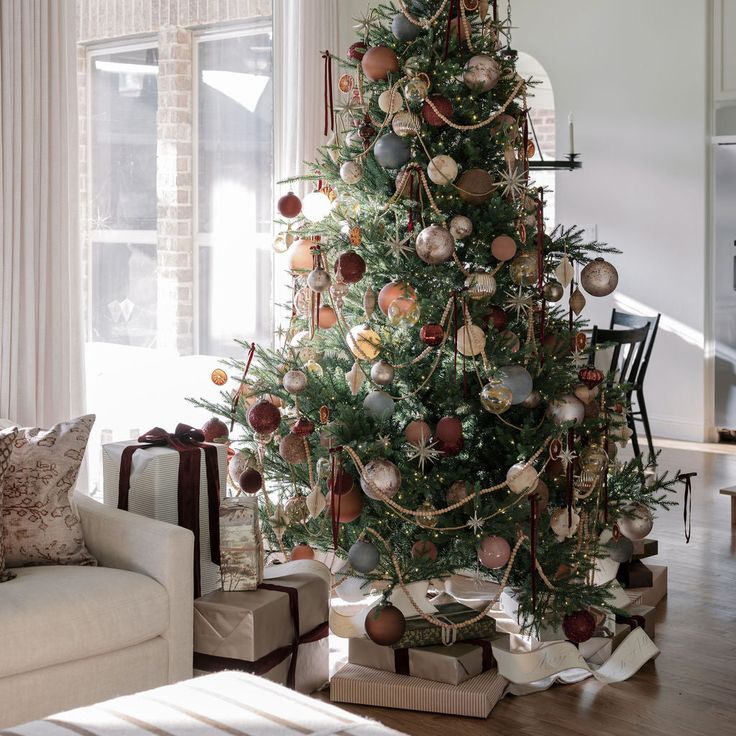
{"x": 162, "y": 438}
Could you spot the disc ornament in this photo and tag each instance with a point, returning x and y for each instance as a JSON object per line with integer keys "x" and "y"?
{"x": 470, "y": 340}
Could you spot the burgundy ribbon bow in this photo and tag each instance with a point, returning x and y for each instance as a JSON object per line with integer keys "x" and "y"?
{"x": 187, "y": 441}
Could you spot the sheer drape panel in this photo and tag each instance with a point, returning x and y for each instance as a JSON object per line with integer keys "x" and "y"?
{"x": 41, "y": 331}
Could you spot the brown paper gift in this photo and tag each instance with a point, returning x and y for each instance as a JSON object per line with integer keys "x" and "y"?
{"x": 241, "y": 549}
{"x": 453, "y": 664}
{"x": 475, "y": 697}
{"x": 643, "y": 616}
{"x": 253, "y": 631}
{"x": 652, "y": 595}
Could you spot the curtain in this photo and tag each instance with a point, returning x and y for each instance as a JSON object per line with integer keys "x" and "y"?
{"x": 41, "y": 374}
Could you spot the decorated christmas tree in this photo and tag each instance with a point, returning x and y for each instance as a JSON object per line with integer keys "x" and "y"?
{"x": 432, "y": 406}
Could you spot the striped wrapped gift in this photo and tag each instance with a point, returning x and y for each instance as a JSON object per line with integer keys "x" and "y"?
{"x": 475, "y": 697}
{"x": 227, "y": 703}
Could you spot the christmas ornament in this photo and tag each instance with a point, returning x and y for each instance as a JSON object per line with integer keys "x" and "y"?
{"x": 302, "y": 552}
{"x": 470, "y": 340}
{"x": 522, "y": 478}
{"x": 458, "y": 491}
{"x": 291, "y": 449}
{"x": 351, "y": 172}
{"x": 363, "y": 342}
{"x": 523, "y": 269}
{"x": 560, "y": 523}
{"x": 428, "y": 517}
{"x": 475, "y": 186}
{"x": 405, "y": 124}
{"x": 620, "y": 549}
{"x": 238, "y": 463}
{"x": 319, "y": 280}
{"x": 435, "y": 244}
{"x": 303, "y": 427}
{"x": 585, "y": 394}
{"x": 636, "y": 522}
{"x": 300, "y": 256}
{"x": 433, "y": 107}
{"x": 599, "y": 278}
{"x": 219, "y": 377}
{"x": 497, "y": 318}
{"x": 432, "y": 334}
{"x": 578, "y": 626}
{"x": 541, "y": 493}
{"x": 481, "y": 73}
{"x": 348, "y": 507}
{"x": 565, "y": 272}
{"x": 391, "y": 151}
{"x": 214, "y": 429}
{"x": 461, "y": 227}
{"x": 366, "y": 132}
{"x": 449, "y": 435}
{"x": 289, "y": 205}
{"x": 340, "y": 482}
{"x": 355, "y": 378}
{"x": 369, "y": 302}
{"x": 403, "y": 311}
{"x": 301, "y": 346}
{"x": 380, "y": 474}
{"x": 250, "y": 481}
{"x": 385, "y": 625}
{"x": 517, "y": 379}
{"x": 509, "y": 341}
{"x": 503, "y": 247}
{"x": 493, "y": 552}
{"x": 593, "y": 459}
{"x": 314, "y": 368}
{"x": 424, "y": 550}
{"x": 392, "y": 291}
{"x": 403, "y": 28}
{"x": 413, "y": 66}
{"x": 495, "y": 397}
{"x": 296, "y": 510}
{"x": 390, "y": 101}
{"x": 417, "y": 431}
{"x": 378, "y": 405}
{"x": 363, "y": 556}
{"x": 566, "y": 409}
{"x": 301, "y": 301}
{"x": 326, "y": 317}
{"x": 532, "y": 401}
{"x": 357, "y": 50}
{"x": 294, "y": 381}
{"x": 346, "y": 83}
{"x": 408, "y": 187}
{"x": 349, "y": 267}
{"x": 577, "y": 301}
{"x": 264, "y": 417}
{"x": 316, "y": 206}
{"x": 480, "y": 285}
{"x": 378, "y": 62}
{"x": 553, "y": 291}
{"x": 416, "y": 90}
{"x": 442, "y": 170}
{"x": 382, "y": 373}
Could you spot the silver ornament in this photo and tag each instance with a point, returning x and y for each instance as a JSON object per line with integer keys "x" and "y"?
{"x": 391, "y": 151}
{"x": 435, "y": 244}
{"x": 533, "y": 400}
{"x": 621, "y": 549}
{"x": 480, "y": 285}
{"x": 569, "y": 408}
{"x": 294, "y": 381}
{"x": 518, "y": 380}
{"x": 553, "y": 291}
{"x": 481, "y": 73}
{"x": 382, "y": 373}
{"x": 383, "y": 475}
{"x": 363, "y": 556}
{"x": 351, "y": 172}
{"x": 599, "y": 278}
{"x": 461, "y": 227}
{"x": 379, "y": 405}
{"x": 637, "y": 522}
{"x": 319, "y": 280}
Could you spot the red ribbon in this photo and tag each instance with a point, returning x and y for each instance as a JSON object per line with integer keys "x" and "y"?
{"x": 234, "y": 405}
{"x": 495, "y": 11}
{"x": 450, "y": 16}
{"x": 605, "y": 477}
{"x": 329, "y": 103}
{"x": 534, "y": 517}
{"x": 570, "y": 490}
{"x": 454, "y": 321}
{"x": 525, "y": 157}
{"x": 335, "y": 498}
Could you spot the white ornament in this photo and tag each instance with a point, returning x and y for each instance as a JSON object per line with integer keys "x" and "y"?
{"x": 351, "y": 172}
{"x": 355, "y": 377}
{"x": 471, "y": 340}
{"x": 390, "y": 101}
{"x": 560, "y": 523}
{"x": 353, "y": 590}
{"x": 316, "y": 206}
{"x": 461, "y": 227}
{"x": 565, "y": 272}
{"x": 442, "y": 170}
{"x": 522, "y": 478}
{"x": 481, "y": 73}
{"x": 315, "y": 502}
{"x": 383, "y": 475}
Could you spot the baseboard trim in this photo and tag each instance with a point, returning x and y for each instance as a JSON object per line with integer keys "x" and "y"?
{"x": 676, "y": 429}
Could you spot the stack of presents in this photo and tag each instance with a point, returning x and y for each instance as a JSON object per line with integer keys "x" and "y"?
{"x": 274, "y": 621}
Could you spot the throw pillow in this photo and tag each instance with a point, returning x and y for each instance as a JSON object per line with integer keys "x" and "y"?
{"x": 6, "y": 448}
{"x": 40, "y": 525}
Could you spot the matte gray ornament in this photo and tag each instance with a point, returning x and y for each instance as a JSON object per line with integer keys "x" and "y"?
{"x": 621, "y": 549}
{"x": 403, "y": 28}
{"x": 382, "y": 373}
{"x": 363, "y": 557}
{"x": 379, "y": 405}
{"x": 638, "y": 523}
{"x": 319, "y": 280}
{"x": 516, "y": 378}
{"x": 392, "y": 151}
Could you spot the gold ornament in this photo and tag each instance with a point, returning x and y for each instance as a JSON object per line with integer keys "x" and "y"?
{"x": 577, "y": 301}
{"x": 523, "y": 269}
{"x": 405, "y": 124}
{"x": 480, "y": 285}
{"x": 416, "y": 90}
{"x": 427, "y": 519}
{"x": 495, "y": 397}
{"x": 403, "y": 311}
{"x": 369, "y": 302}
{"x": 364, "y": 343}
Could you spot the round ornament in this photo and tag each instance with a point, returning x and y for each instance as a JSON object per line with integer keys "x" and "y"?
{"x": 219, "y": 377}
{"x": 378, "y": 405}
{"x": 301, "y": 301}
{"x": 493, "y": 552}
{"x": 296, "y": 510}
{"x": 250, "y": 481}
{"x": 532, "y": 401}
{"x": 239, "y": 462}
{"x": 432, "y": 334}
{"x": 348, "y": 507}
{"x": 391, "y": 151}
{"x": 470, "y": 340}
{"x": 313, "y": 367}
{"x": 560, "y": 523}
{"x": 480, "y": 285}
{"x": 319, "y": 280}
{"x": 416, "y": 90}
{"x": 294, "y": 381}
{"x": 300, "y": 255}
{"x": 378, "y": 62}
{"x": 523, "y": 269}
{"x": 585, "y": 394}
{"x": 578, "y": 626}
{"x": 599, "y": 278}
{"x": 357, "y": 50}
{"x": 481, "y": 73}
{"x": 366, "y": 131}
{"x": 316, "y": 206}
{"x": 458, "y": 491}
{"x": 292, "y": 449}
{"x": 380, "y": 474}
{"x": 417, "y": 432}
{"x": 390, "y": 101}
{"x": 496, "y": 318}
{"x": 382, "y": 373}
{"x": 449, "y": 435}
{"x": 214, "y": 429}
{"x": 553, "y": 291}
{"x": 522, "y": 478}
{"x": 503, "y": 247}
{"x": 403, "y": 28}
{"x": 424, "y": 550}
{"x": 495, "y": 397}
{"x": 475, "y": 186}
{"x": 289, "y": 205}
{"x": 508, "y": 340}
{"x": 340, "y": 482}
{"x": 326, "y": 317}
{"x": 518, "y": 380}
{"x": 363, "y": 556}
{"x": 349, "y": 267}
{"x": 403, "y": 311}
{"x": 591, "y": 376}
{"x": 363, "y": 342}
{"x": 264, "y": 417}
{"x": 351, "y": 172}
{"x": 461, "y": 227}
{"x": 621, "y": 549}
{"x": 637, "y": 522}
{"x": 392, "y": 291}
{"x": 385, "y": 625}
{"x": 405, "y": 124}
{"x": 435, "y": 244}
{"x": 302, "y": 552}
{"x": 427, "y": 516}
{"x": 442, "y": 170}
{"x": 434, "y": 107}
{"x": 303, "y": 427}
{"x": 566, "y": 409}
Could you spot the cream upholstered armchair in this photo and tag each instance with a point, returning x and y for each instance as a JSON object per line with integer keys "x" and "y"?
{"x": 71, "y": 636}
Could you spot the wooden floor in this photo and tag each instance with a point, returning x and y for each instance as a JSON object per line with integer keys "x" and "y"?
{"x": 691, "y": 687}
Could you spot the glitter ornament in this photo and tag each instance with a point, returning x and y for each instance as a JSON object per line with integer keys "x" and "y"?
{"x": 378, "y": 405}
{"x": 351, "y": 172}
{"x": 523, "y": 269}
{"x": 494, "y": 552}
{"x": 439, "y": 104}
{"x": 481, "y": 73}
{"x": 522, "y": 478}
{"x": 495, "y": 397}
{"x": 294, "y": 381}
{"x": 480, "y": 285}
{"x": 470, "y": 340}
{"x": 435, "y": 244}
{"x": 349, "y": 267}
{"x": 405, "y": 124}
{"x": 296, "y": 510}
{"x": 599, "y": 278}
{"x": 291, "y": 449}
{"x": 357, "y": 50}
{"x": 382, "y": 373}
{"x": 442, "y": 170}
{"x": 461, "y": 227}
{"x": 380, "y": 474}
{"x": 578, "y": 626}
{"x": 264, "y": 417}
{"x": 403, "y": 311}
{"x": 432, "y": 334}
{"x": 303, "y": 427}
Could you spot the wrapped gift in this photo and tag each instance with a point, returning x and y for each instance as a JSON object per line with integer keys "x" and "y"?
{"x": 634, "y": 574}
{"x": 422, "y": 633}
{"x": 452, "y": 664}
{"x": 475, "y": 697}
{"x": 177, "y": 478}
{"x": 644, "y": 548}
{"x": 600, "y": 647}
{"x": 639, "y": 615}
{"x": 241, "y": 547}
{"x": 653, "y": 594}
{"x": 278, "y": 631}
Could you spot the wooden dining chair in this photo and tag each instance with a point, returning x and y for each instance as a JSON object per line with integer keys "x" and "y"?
{"x": 626, "y": 357}
{"x": 633, "y": 321}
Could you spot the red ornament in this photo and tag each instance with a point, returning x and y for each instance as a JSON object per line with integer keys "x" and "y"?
{"x": 350, "y": 266}
{"x": 578, "y": 626}
{"x": 303, "y": 427}
{"x": 443, "y": 106}
{"x": 357, "y": 51}
{"x": 302, "y": 552}
{"x": 590, "y": 376}
{"x": 214, "y": 429}
{"x": 264, "y": 417}
{"x": 348, "y": 507}
{"x": 432, "y": 334}
{"x": 340, "y": 482}
{"x": 449, "y": 435}
{"x": 424, "y": 550}
{"x": 289, "y": 205}
{"x": 385, "y": 625}
{"x": 366, "y": 130}
{"x": 496, "y": 318}
{"x": 250, "y": 481}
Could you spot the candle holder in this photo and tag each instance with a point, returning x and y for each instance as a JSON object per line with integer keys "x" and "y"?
{"x": 571, "y": 162}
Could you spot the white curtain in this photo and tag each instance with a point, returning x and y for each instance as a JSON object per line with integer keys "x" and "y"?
{"x": 41, "y": 376}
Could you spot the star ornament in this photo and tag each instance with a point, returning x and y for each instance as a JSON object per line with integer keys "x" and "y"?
{"x": 475, "y": 523}
{"x": 520, "y": 303}
{"x": 567, "y": 456}
{"x": 400, "y": 248}
{"x": 512, "y": 182}
{"x": 365, "y": 24}
{"x": 423, "y": 452}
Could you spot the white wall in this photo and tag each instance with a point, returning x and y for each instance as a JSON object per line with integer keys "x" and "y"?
{"x": 636, "y": 76}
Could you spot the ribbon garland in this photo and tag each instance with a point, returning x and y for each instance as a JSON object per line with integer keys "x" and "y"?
{"x": 329, "y": 102}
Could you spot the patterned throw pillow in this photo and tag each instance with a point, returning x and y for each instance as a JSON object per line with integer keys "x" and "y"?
{"x": 40, "y": 525}
{"x": 7, "y": 437}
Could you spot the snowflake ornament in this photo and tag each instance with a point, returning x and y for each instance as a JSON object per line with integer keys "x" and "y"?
{"x": 513, "y": 182}
{"x": 399, "y": 248}
{"x": 520, "y": 303}
{"x": 423, "y": 452}
{"x": 475, "y": 523}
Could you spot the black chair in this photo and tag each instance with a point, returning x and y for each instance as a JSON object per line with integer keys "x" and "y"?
{"x": 633, "y": 321}
{"x": 628, "y": 351}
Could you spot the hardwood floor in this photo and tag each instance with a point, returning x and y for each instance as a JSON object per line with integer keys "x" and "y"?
{"x": 691, "y": 687}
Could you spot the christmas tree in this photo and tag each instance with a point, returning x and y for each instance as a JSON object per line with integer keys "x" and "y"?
{"x": 431, "y": 407}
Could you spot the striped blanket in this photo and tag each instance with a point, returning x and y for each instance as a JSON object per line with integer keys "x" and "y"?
{"x": 232, "y": 703}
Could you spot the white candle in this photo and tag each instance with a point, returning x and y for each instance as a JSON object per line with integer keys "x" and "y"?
{"x": 571, "y": 128}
